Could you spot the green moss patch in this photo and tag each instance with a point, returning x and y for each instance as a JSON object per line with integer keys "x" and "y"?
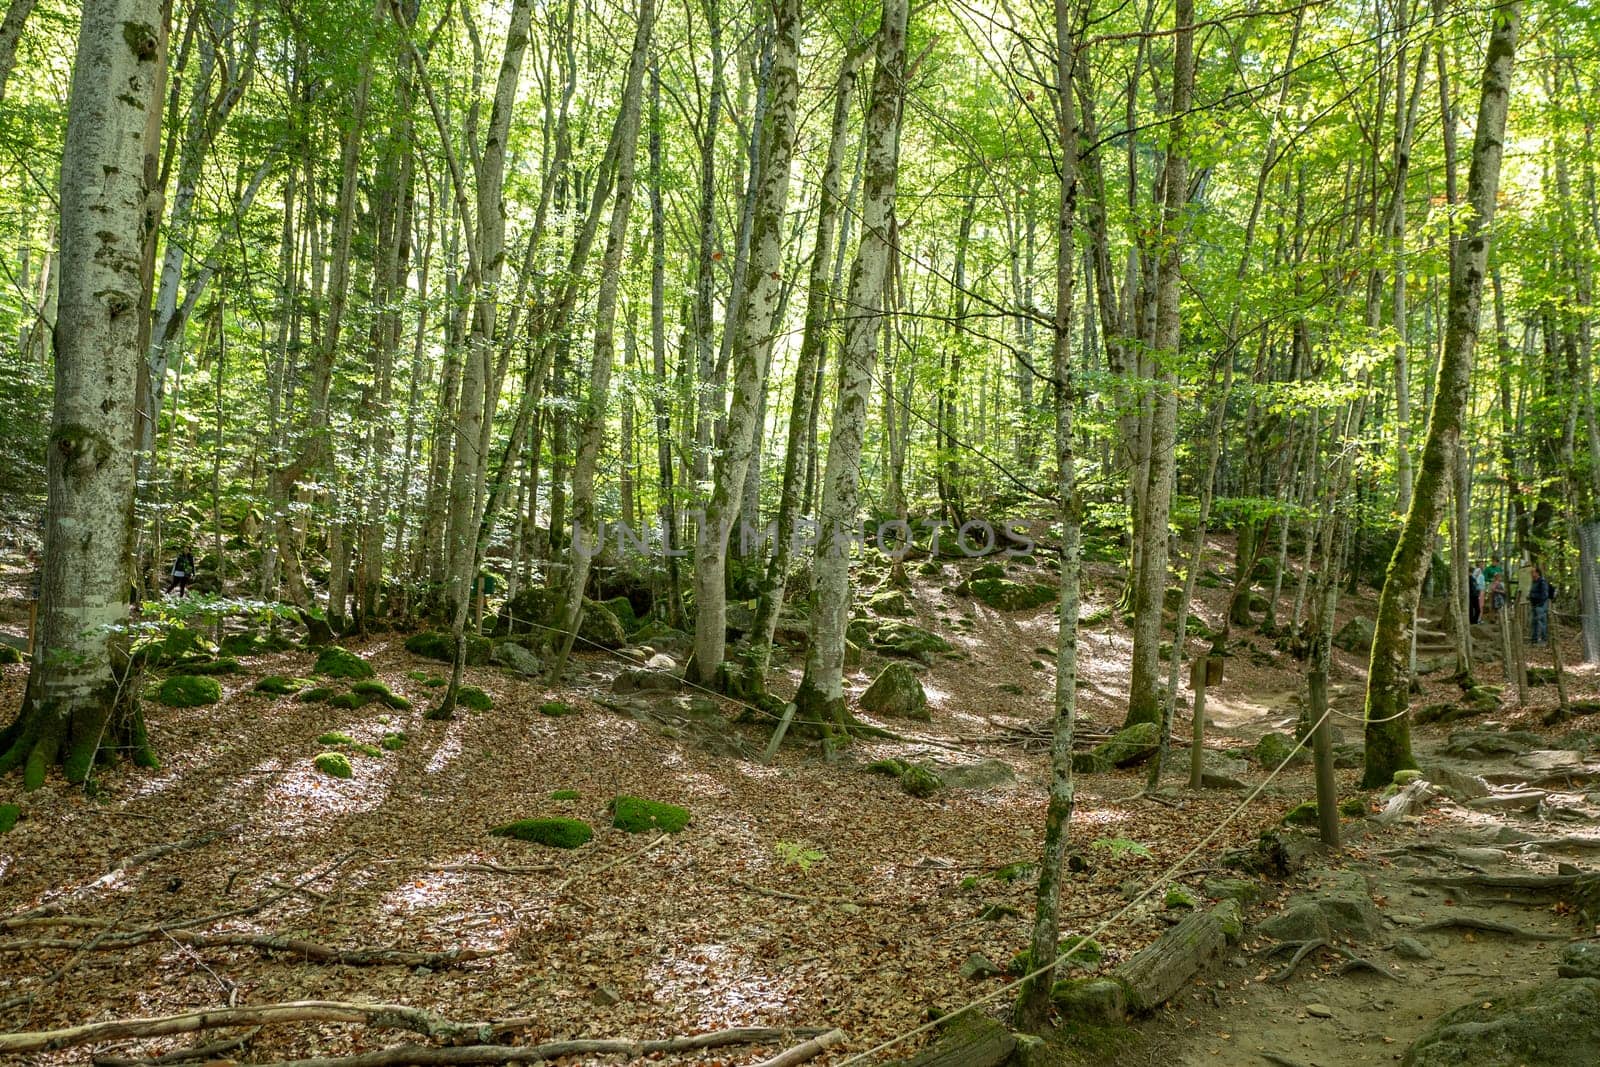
{"x": 336, "y": 737}
{"x": 439, "y": 645}
{"x": 394, "y": 741}
{"x": 565, "y": 794}
{"x": 371, "y": 751}
{"x": 9, "y": 814}
{"x": 188, "y": 691}
{"x": 920, "y": 781}
{"x": 315, "y": 695}
{"x": 238, "y": 644}
{"x": 333, "y": 764}
{"x": 277, "y": 685}
{"x": 351, "y": 701}
{"x": 336, "y": 662}
{"x": 417, "y": 676}
{"x": 557, "y": 832}
{"x": 434, "y": 682}
{"x": 225, "y": 665}
{"x": 470, "y": 696}
{"x": 9, "y": 656}
{"x": 557, "y": 709}
{"x": 638, "y": 816}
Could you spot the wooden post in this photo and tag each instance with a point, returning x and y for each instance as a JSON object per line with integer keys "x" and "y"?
{"x": 1509, "y": 654}
{"x": 1553, "y": 637}
{"x": 1519, "y": 630}
{"x": 1197, "y": 730}
{"x": 777, "y": 735}
{"x": 1322, "y": 750}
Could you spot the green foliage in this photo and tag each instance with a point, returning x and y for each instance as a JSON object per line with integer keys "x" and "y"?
{"x": 394, "y": 741}
{"x": 794, "y": 854}
{"x": 554, "y": 832}
{"x": 565, "y": 794}
{"x": 1121, "y": 846}
{"x": 638, "y": 816}
{"x": 333, "y": 764}
{"x": 350, "y": 701}
{"x": 9, "y": 814}
{"x": 188, "y": 691}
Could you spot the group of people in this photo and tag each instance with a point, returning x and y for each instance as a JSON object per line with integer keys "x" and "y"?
{"x": 1491, "y": 588}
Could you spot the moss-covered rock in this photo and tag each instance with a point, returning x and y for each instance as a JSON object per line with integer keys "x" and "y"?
{"x": 1356, "y": 635}
{"x": 622, "y": 608}
{"x": 1273, "y": 748}
{"x": 985, "y": 572}
{"x": 394, "y": 741}
{"x": 333, "y": 764}
{"x": 1353, "y": 807}
{"x": 9, "y": 655}
{"x": 439, "y": 645}
{"x": 638, "y": 816}
{"x": 351, "y": 701}
{"x": 1005, "y": 595}
{"x": 225, "y": 665}
{"x": 554, "y": 832}
{"x": 896, "y": 692}
{"x": 557, "y": 709}
{"x": 335, "y": 737}
{"x": 1302, "y": 814}
{"x": 316, "y": 694}
{"x": 470, "y": 696}
{"x": 240, "y": 644}
{"x": 904, "y": 639}
{"x": 361, "y": 748}
{"x": 890, "y": 602}
{"x": 920, "y": 781}
{"x": 9, "y": 814}
{"x": 1556, "y": 1024}
{"x": 1131, "y": 745}
{"x": 277, "y": 685}
{"x": 188, "y": 691}
{"x": 600, "y": 627}
{"x": 565, "y": 794}
{"x": 336, "y": 662}
{"x": 893, "y": 768}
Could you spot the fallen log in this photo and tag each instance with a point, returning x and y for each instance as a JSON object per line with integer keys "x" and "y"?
{"x": 472, "y": 1055}
{"x": 1153, "y": 975}
{"x": 971, "y": 1039}
{"x": 307, "y": 950}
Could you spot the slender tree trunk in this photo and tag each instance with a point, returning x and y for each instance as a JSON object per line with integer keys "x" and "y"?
{"x": 821, "y": 693}
{"x": 1033, "y": 1004}
{"x": 1388, "y": 731}
{"x": 1144, "y": 698}
{"x": 79, "y": 695}
{"x": 753, "y": 347}
{"x": 17, "y": 13}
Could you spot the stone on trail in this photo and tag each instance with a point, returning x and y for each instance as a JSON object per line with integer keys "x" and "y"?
{"x": 513, "y": 657}
{"x": 978, "y": 967}
{"x": 1581, "y": 959}
{"x": 904, "y": 639}
{"x": 897, "y": 693}
{"x": 645, "y": 681}
{"x": 985, "y": 774}
{"x": 1460, "y": 786}
{"x": 1273, "y": 748}
{"x": 1342, "y": 908}
{"x": 1356, "y": 635}
{"x": 1523, "y": 800}
{"x": 1132, "y": 745}
{"x": 1409, "y": 948}
{"x": 1552, "y": 1025}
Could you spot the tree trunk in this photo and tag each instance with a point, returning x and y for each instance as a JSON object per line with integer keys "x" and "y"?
{"x": 78, "y": 699}
{"x": 1388, "y": 731}
{"x": 1144, "y": 696}
{"x": 821, "y": 693}
{"x": 1033, "y": 1004}
{"x": 17, "y": 13}
{"x": 757, "y": 320}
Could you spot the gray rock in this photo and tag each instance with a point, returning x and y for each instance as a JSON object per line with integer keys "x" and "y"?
{"x": 1552, "y": 1025}
{"x": 1243, "y": 890}
{"x": 1409, "y": 948}
{"x": 978, "y": 967}
{"x": 1550, "y": 760}
{"x": 1508, "y": 803}
{"x": 1356, "y": 635}
{"x": 1459, "y": 786}
{"x": 604, "y": 996}
{"x": 513, "y": 657}
{"x": 985, "y": 774}
{"x": 1581, "y": 959}
{"x": 1341, "y": 909}
{"x": 897, "y": 693}
{"x": 661, "y": 662}
{"x": 1099, "y": 1001}
{"x": 645, "y": 681}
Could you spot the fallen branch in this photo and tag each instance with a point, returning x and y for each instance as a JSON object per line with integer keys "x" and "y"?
{"x": 1473, "y": 922}
{"x": 61, "y": 971}
{"x": 805, "y": 1051}
{"x": 207, "y": 1051}
{"x": 384, "y": 1016}
{"x": 492, "y": 868}
{"x": 412, "y": 1055}
{"x": 310, "y": 950}
{"x": 607, "y": 866}
{"x": 1305, "y": 948}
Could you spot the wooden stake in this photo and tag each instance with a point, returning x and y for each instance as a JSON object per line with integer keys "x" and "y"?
{"x": 1322, "y": 751}
{"x": 1197, "y": 728}
{"x": 777, "y": 735}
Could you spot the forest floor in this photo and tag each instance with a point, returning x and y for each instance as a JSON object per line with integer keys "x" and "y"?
{"x": 807, "y": 893}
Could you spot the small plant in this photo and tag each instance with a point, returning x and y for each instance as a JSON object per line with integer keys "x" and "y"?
{"x": 794, "y": 854}
{"x": 189, "y": 691}
{"x": 1121, "y": 846}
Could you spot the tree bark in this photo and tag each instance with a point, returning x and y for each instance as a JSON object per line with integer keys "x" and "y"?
{"x": 821, "y": 693}
{"x": 1388, "y": 731}
{"x": 78, "y": 699}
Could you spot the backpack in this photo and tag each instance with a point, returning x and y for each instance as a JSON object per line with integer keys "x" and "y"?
{"x": 1540, "y": 592}
{"x": 183, "y": 567}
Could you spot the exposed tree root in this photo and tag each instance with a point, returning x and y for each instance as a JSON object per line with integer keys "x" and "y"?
{"x": 209, "y": 1051}
{"x": 1473, "y": 922}
{"x": 1302, "y": 949}
{"x": 804, "y": 898}
{"x": 307, "y": 950}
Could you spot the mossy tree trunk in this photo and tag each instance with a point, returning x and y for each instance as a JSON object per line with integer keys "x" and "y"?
{"x": 76, "y": 702}
{"x": 1033, "y": 1004}
{"x": 1388, "y": 731}
{"x": 820, "y": 697}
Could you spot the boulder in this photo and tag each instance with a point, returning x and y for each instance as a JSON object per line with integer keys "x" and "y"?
{"x": 1356, "y": 635}
{"x": 644, "y": 681}
{"x": 1459, "y": 786}
{"x": 440, "y": 646}
{"x": 1556, "y": 1024}
{"x": 985, "y": 774}
{"x": 1479, "y": 744}
{"x": 889, "y": 602}
{"x": 1580, "y": 959}
{"x": 896, "y": 692}
{"x": 904, "y": 639}
{"x": 1005, "y": 595}
{"x": 513, "y": 657}
{"x": 1274, "y": 748}
{"x": 1342, "y": 908}
{"x": 1132, "y": 745}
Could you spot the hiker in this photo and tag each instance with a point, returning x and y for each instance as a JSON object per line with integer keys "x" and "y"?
{"x": 1495, "y": 575}
{"x": 182, "y": 573}
{"x": 1475, "y": 595}
{"x": 1540, "y": 593}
